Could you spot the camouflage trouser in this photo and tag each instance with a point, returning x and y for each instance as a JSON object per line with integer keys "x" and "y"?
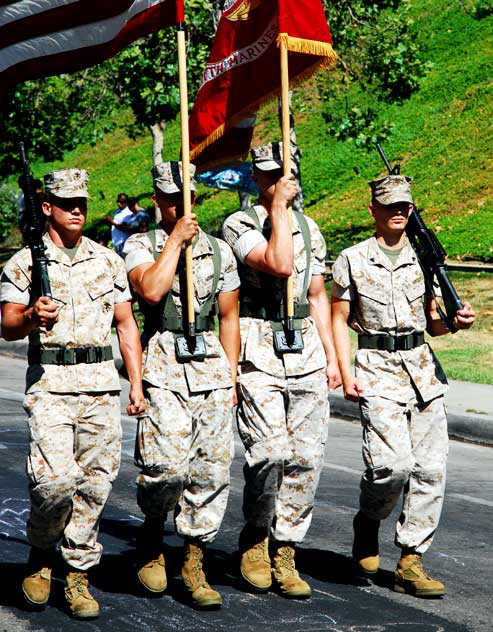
{"x": 405, "y": 449}
{"x": 283, "y": 424}
{"x": 74, "y": 459}
{"x": 184, "y": 450}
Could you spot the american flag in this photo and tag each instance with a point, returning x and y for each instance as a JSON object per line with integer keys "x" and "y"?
{"x": 39, "y": 38}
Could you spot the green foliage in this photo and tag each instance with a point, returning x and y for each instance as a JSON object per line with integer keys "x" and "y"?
{"x": 359, "y": 125}
{"x": 478, "y": 9}
{"x": 56, "y": 114}
{"x": 380, "y": 61}
{"x": 147, "y": 71}
{"x": 8, "y": 208}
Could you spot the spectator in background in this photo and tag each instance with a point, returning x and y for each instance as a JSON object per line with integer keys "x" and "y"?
{"x": 120, "y": 230}
{"x": 139, "y": 222}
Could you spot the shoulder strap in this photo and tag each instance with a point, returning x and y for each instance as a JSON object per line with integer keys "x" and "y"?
{"x": 206, "y": 308}
{"x": 252, "y": 214}
{"x": 307, "y": 239}
{"x": 151, "y": 235}
{"x": 170, "y": 312}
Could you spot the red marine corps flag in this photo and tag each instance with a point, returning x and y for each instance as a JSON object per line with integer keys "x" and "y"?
{"x": 39, "y": 38}
{"x": 243, "y": 70}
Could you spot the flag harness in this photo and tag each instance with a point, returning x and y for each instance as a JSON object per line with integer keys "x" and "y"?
{"x": 165, "y": 317}
{"x": 276, "y": 313}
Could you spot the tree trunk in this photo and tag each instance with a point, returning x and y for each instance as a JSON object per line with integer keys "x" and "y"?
{"x": 216, "y": 12}
{"x": 244, "y": 200}
{"x": 297, "y": 204}
{"x": 157, "y": 131}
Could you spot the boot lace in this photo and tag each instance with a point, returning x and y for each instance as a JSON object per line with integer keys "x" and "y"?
{"x": 258, "y": 551}
{"x": 78, "y": 582}
{"x": 284, "y": 562}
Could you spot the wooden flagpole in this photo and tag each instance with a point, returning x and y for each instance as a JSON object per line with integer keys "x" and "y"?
{"x": 286, "y": 159}
{"x": 185, "y": 156}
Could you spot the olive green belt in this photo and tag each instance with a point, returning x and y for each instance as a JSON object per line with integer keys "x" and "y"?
{"x": 69, "y": 355}
{"x": 386, "y": 342}
{"x": 252, "y": 310}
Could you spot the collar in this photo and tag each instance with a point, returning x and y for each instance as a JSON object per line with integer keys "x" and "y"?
{"x": 84, "y": 251}
{"x": 376, "y": 257}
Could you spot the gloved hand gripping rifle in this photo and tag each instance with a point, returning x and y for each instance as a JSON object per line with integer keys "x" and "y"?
{"x": 34, "y": 230}
{"x": 431, "y": 257}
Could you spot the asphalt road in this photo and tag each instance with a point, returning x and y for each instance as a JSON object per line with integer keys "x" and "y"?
{"x": 460, "y": 556}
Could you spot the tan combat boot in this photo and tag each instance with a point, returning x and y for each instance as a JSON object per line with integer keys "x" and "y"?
{"x": 202, "y": 594}
{"x": 410, "y": 577}
{"x": 286, "y": 575}
{"x": 81, "y": 603}
{"x": 37, "y": 584}
{"x": 152, "y": 572}
{"x": 255, "y": 566}
{"x": 365, "y": 544}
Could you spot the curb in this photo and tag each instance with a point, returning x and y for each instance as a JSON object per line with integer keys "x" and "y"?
{"x": 466, "y": 427}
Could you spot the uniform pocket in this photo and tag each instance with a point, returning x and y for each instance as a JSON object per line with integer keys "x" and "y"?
{"x": 145, "y": 453}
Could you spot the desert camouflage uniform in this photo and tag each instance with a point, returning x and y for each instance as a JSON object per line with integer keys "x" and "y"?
{"x": 283, "y": 410}
{"x": 184, "y": 445}
{"x": 405, "y": 441}
{"x": 74, "y": 410}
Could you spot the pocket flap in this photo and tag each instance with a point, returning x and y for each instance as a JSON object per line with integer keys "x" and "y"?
{"x": 414, "y": 291}
{"x": 374, "y": 293}
{"x": 98, "y": 291}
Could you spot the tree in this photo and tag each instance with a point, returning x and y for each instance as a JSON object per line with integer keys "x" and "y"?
{"x": 379, "y": 62}
{"x": 55, "y": 114}
{"x": 147, "y": 74}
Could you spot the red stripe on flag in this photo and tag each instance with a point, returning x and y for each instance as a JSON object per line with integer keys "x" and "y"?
{"x": 60, "y": 19}
{"x": 148, "y": 21}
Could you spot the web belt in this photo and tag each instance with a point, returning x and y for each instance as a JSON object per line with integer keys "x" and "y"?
{"x": 384, "y": 342}
{"x": 69, "y": 355}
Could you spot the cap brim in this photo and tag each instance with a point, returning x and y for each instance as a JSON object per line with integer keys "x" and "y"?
{"x": 393, "y": 198}
{"x": 268, "y": 165}
{"x": 170, "y": 189}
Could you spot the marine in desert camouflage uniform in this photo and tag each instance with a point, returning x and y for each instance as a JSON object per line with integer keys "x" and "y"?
{"x": 379, "y": 292}
{"x": 283, "y": 406}
{"x": 184, "y": 443}
{"x": 72, "y": 391}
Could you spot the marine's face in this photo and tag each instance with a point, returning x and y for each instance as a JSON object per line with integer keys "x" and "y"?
{"x": 171, "y": 205}
{"x": 266, "y": 181}
{"x": 391, "y": 218}
{"x": 67, "y": 215}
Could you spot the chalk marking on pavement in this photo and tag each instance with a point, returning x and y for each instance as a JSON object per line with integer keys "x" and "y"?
{"x": 471, "y": 499}
{"x": 329, "y": 595}
{"x": 342, "y": 468}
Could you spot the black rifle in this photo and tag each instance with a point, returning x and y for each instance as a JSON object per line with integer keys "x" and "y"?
{"x": 431, "y": 257}
{"x": 34, "y": 230}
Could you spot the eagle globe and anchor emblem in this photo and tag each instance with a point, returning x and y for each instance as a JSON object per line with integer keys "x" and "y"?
{"x": 239, "y": 9}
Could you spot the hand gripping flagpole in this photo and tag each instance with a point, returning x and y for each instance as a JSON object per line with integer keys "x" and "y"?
{"x": 286, "y": 159}
{"x": 185, "y": 156}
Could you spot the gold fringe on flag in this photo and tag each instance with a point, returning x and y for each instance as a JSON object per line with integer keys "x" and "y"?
{"x": 328, "y": 58}
{"x": 309, "y": 47}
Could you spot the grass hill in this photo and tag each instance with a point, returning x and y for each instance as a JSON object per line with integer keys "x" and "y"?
{"x": 443, "y": 137}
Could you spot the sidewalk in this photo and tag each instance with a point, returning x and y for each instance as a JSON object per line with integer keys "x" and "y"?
{"x": 469, "y": 406}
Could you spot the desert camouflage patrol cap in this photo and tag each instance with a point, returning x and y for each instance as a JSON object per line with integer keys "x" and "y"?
{"x": 67, "y": 183}
{"x": 392, "y": 189}
{"x": 168, "y": 177}
{"x": 267, "y": 157}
